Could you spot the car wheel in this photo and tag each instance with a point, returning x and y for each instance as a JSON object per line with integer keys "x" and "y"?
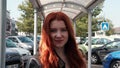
{"x": 115, "y": 64}
{"x": 94, "y": 59}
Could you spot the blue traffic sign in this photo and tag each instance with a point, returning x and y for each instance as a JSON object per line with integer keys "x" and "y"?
{"x": 105, "y": 26}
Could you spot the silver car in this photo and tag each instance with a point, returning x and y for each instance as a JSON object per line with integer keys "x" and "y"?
{"x": 23, "y": 42}
{"x": 23, "y": 53}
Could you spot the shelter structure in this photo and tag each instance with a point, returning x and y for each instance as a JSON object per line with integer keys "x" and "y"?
{"x": 73, "y": 8}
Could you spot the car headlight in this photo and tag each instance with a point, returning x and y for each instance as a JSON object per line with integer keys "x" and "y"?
{"x": 29, "y": 46}
{"x": 26, "y": 46}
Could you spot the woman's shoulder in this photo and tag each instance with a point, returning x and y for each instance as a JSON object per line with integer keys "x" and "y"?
{"x": 33, "y": 62}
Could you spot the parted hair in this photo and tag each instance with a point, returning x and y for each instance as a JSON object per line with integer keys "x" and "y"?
{"x": 48, "y": 57}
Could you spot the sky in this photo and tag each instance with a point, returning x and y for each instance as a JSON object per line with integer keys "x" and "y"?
{"x": 12, "y": 7}
{"x": 110, "y": 10}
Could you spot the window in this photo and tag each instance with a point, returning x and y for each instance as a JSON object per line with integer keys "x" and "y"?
{"x": 14, "y": 40}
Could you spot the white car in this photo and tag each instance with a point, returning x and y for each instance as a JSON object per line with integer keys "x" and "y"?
{"x": 77, "y": 40}
{"x": 24, "y": 53}
{"x": 23, "y": 42}
{"x": 95, "y": 42}
{"x": 12, "y": 45}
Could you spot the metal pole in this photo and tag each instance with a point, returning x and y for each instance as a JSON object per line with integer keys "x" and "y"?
{"x": 35, "y": 31}
{"x": 89, "y": 38}
{"x": 41, "y": 25}
{"x": 74, "y": 27}
{"x": 2, "y": 32}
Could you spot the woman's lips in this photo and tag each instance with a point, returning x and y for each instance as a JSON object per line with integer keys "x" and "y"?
{"x": 58, "y": 41}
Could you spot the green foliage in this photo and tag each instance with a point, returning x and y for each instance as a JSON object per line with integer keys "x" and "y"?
{"x": 82, "y": 23}
{"x": 81, "y": 29}
{"x": 27, "y": 18}
{"x": 20, "y": 26}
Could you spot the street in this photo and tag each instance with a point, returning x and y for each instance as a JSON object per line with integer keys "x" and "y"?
{"x": 97, "y": 66}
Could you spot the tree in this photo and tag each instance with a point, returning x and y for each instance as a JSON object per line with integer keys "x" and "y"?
{"x": 27, "y": 18}
{"x": 82, "y": 23}
{"x": 20, "y": 26}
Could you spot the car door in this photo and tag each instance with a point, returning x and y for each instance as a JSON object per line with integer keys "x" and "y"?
{"x": 110, "y": 47}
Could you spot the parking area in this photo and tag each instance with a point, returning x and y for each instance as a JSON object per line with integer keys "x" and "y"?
{"x": 96, "y": 66}
{"x": 92, "y": 66}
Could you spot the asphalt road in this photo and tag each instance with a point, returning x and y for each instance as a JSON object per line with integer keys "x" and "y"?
{"x": 92, "y": 66}
{"x": 97, "y": 66}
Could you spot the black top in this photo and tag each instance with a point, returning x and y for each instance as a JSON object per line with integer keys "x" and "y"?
{"x": 61, "y": 63}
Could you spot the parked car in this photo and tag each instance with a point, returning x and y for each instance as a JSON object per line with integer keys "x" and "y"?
{"x": 100, "y": 52}
{"x": 83, "y": 40}
{"x": 77, "y": 40}
{"x": 112, "y": 60}
{"x": 23, "y": 53}
{"x": 115, "y": 37}
{"x": 23, "y": 42}
{"x": 82, "y": 49}
{"x": 12, "y": 57}
{"x": 32, "y": 38}
{"x": 95, "y": 42}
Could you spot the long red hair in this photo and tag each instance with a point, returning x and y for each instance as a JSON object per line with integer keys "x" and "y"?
{"x": 48, "y": 57}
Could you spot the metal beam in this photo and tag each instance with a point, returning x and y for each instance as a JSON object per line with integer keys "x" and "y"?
{"x": 2, "y": 32}
{"x": 89, "y": 37}
{"x": 37, "y": 5}
{"x": 90, "y": 6}
{"x": 94, "y": 4}
{"x": 66, "y": 3}
{"x": 35, "y": 32}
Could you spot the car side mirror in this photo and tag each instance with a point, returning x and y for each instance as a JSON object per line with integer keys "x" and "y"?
{"x": 105, "y": 48}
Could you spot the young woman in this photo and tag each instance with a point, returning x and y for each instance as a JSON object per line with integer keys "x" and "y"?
{"x": 58, "y": 48}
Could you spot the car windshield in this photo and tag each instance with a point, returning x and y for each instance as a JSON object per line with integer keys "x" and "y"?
{"x": 25, "y": 39}
{"x": 94, "y": 40}
{"x": 38, "y": 37}
{"x": 31, "y": 37}
{"x": 113, "y": 44}
{"x": 10, "y": 43}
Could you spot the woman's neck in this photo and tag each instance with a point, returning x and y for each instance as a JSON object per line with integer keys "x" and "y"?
{"x": 60, "y": 51}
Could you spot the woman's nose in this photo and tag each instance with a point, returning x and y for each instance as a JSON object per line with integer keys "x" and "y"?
{"x": 59, "y": 34}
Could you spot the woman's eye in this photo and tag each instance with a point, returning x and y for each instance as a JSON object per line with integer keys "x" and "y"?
{"x": 55, "y": 30}
{"x": 63, "y": 30}
{"x": 52, "y": 30}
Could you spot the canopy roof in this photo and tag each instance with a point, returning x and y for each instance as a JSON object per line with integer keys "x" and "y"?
{"x": 73, "y": 8}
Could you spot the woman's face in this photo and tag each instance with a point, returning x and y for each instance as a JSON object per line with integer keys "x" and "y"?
{"x": 59, "y": 33}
